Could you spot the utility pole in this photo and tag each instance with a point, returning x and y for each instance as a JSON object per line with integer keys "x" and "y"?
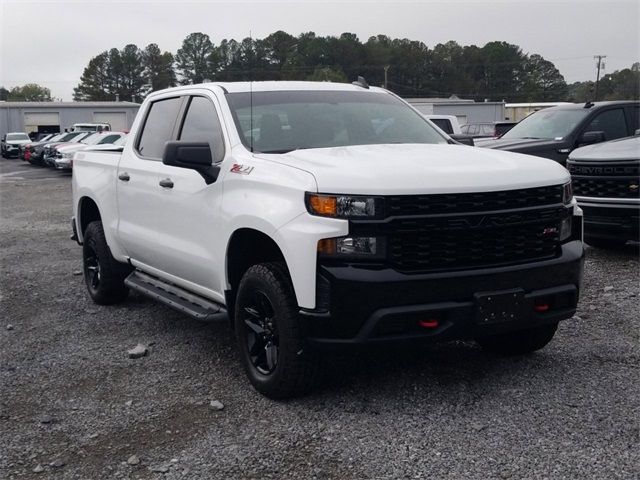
{"x": 599, "y": 58}
{"x": 386, "y": 69}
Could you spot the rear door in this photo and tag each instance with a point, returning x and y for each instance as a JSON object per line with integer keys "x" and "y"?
{"x": 138, "y": 192}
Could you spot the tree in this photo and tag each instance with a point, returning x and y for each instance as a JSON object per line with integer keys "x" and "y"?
{"x": 503, "y": 71}
{"x": 543, "y": 82}
{"x": 133, "y": 84}
{"x": 158, "y": 68}
{"x": 95, "y": 82}
{"x": 4, "y": 94}
{"x": 31, "y": 92}
{"x": 193, "y": 59}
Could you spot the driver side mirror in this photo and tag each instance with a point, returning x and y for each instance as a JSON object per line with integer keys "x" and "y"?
{"x": 192, "y": 155}
{"x": 588, "y": 138}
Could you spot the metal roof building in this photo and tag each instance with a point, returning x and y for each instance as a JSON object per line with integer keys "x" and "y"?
{"x": 467, "y": 111}
{"x": 48, "y": 117}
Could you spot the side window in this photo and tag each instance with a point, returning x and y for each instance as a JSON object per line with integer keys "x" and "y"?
{"x": 158, "y": 127}
{"x": 444, "y": 125}
{"x": 201, "y": 124}
{"x": 611, "y": 122}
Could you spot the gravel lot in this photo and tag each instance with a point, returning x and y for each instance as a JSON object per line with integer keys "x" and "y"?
{"x": 73, "y": 405}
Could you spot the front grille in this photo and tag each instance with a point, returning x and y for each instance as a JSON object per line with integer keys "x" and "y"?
{"x": 446, "y": 250}
{"x": 473, "y": 202}
{"x": 606, "y": 187}
{"x": 470, "y": 230}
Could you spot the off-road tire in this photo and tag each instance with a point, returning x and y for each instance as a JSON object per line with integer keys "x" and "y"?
{"x": 605, "y": 243}
{"x": 519, "y": 342}
{"x": 109, "y": 287}
{"x": 296, "y": 368}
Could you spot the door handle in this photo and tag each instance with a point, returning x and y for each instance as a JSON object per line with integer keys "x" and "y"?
{"x": 166, "y": 183}
{"x": 124, "y": 177}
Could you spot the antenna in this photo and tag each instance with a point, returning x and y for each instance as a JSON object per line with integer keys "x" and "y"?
{"x": 251, "y": 94}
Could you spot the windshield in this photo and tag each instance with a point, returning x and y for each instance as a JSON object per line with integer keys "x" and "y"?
{"x": 56, "y": 138}
{"x": 291, "y": 120}
{"x": 17, "y": 136}
{"x": 92, "y": 139}
{"x": 547, "y": 124}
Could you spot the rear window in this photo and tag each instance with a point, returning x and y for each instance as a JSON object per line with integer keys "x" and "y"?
{"x": 158, "y": 127}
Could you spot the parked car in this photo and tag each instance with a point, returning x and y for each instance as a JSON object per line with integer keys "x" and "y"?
{"x": 90, "y": 127}
{"x": 25, "y": 149}
{"x": 10, "y": 144}
{"x": 606, "y": 183}
{"x": 49, "y": 154}
{"x": 35, "y": 152}
{"x": 344, "y": 220}
{"x": 555, "y": 132}
{"x": 487, "y": 129}
{"x": 63, "y": 159}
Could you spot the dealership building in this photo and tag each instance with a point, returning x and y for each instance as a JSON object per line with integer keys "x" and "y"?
{"x": 49, "y": 117}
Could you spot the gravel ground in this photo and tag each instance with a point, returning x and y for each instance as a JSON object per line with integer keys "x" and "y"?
{"x": 73, "y": 405}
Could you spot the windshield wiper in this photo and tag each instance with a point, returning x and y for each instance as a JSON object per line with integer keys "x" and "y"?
{"x": 283, "y": 150}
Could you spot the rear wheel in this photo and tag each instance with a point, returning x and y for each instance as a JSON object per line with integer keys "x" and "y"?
{"x": 520, "y": 342}
{"x": 272, "y": 346}
{"x": 103, "y": 275}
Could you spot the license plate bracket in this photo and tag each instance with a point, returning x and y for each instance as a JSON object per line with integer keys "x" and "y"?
{"x": 499, "y": 307}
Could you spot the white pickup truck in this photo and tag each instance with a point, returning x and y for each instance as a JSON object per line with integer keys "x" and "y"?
{"x": 319, "y": 214}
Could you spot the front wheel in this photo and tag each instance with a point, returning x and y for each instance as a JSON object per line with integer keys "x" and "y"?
{"x": 605, "y": 243}
{"x": 519, "y": 342}
{"x": 103, "y": 275}
{"x": 272, "y": 346}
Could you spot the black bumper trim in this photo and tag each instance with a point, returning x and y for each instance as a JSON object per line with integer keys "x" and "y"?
{"x": 377, "y": 306}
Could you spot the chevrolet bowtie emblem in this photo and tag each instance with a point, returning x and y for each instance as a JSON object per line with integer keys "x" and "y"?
{"x": 633, "y": 187}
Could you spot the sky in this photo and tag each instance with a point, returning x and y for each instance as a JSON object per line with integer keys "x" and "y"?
{"x": 50, "y": 42}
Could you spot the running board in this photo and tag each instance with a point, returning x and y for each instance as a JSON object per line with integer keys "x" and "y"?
{"x": 175, "y": 297}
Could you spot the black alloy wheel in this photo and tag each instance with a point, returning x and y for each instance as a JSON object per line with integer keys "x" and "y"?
{"x": 261, "y": 333}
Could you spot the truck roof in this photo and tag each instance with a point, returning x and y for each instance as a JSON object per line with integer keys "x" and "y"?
{"x": 272, "y": 86}
{"x": 575, "y": 106}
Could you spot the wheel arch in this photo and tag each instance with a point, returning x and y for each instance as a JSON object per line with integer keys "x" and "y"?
{"x": 88, "y": 212}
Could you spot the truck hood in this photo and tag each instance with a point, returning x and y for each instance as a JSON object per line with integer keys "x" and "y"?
{"x": 71, "y": 147}
{"x": 615, "y": 150}
{"x": 414, "y": 169}
{"x": 517, "y": 144}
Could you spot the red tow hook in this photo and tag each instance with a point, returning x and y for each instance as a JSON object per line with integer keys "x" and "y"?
{"x": 541, "y": 307}
{"x": 429, "y": 323}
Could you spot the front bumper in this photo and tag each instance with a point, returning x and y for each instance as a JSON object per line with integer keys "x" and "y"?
{"x": 611, "y": 220}
{"x": 369, "y": 306}
{"x": 62, "y": 163}
{"x": 11, "y": 151}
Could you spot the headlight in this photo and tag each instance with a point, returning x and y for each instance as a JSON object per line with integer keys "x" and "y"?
{"x": 344, "y": 206}
{"x": 67, "y": 155}
{"x": 352, "y": 247}
{"x": 567, "y": 193}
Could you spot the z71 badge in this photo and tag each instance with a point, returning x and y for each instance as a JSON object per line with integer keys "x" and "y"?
{"x": 242, "y": 169}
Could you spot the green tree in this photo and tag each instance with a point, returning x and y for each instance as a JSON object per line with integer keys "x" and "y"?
{"x": 133, "y": 84}
{"x": 543, "y": 82}
{"x": 504, "y": 73}
{"x": 4, "y": 93}
{"x": 193, "y": 59}
{"x": 31, "y": 92}
{"x": 158, "y": 68}
{"x": 95, "y": 81}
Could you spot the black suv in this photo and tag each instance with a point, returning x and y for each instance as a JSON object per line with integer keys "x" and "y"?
{"x": 554, "y": 132}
